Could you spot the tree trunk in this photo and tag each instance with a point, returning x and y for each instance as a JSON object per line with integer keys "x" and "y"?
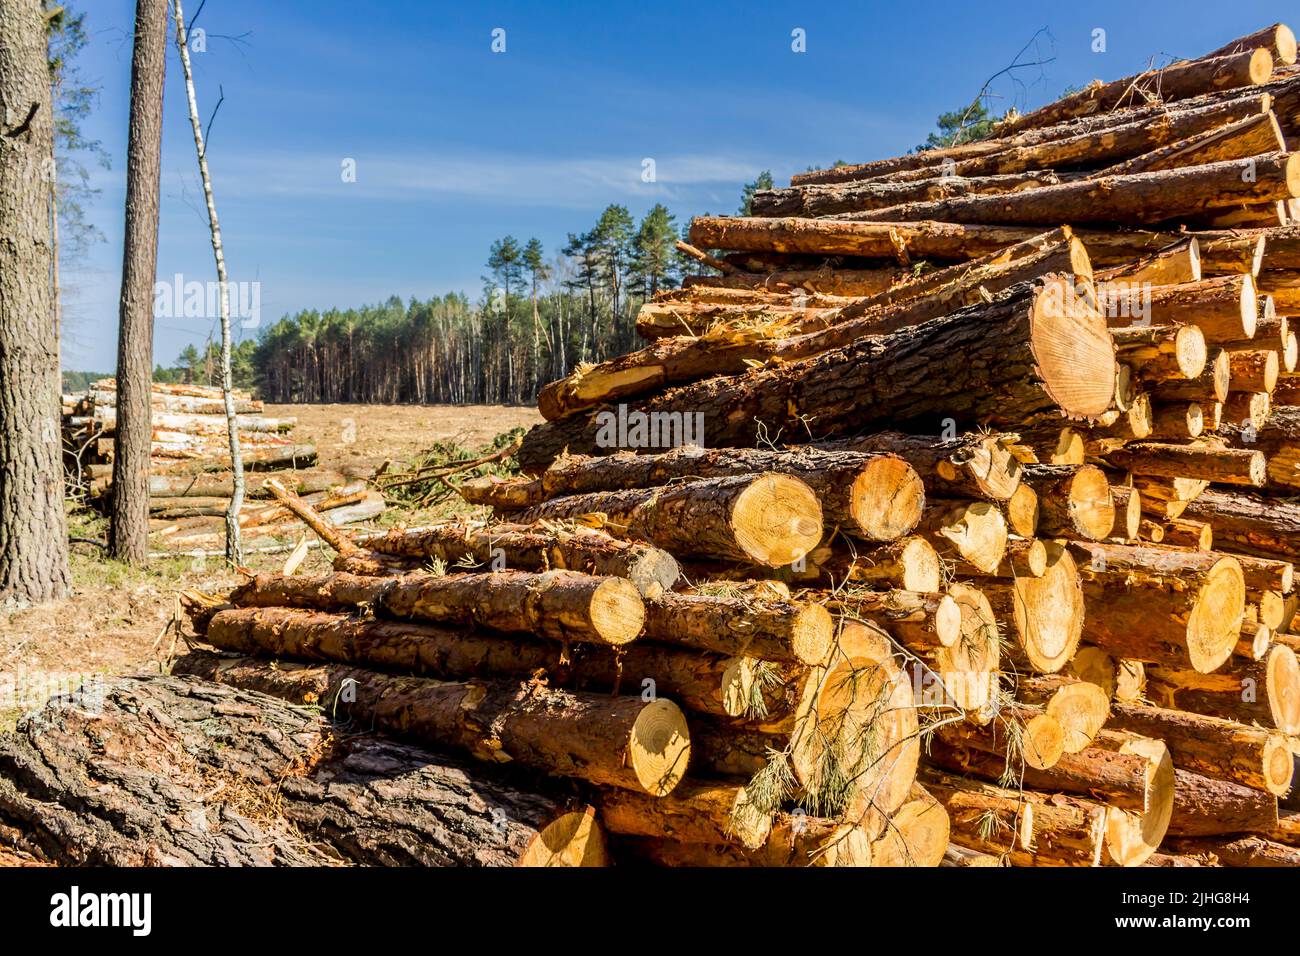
{"x": 234, "y": 551}
{"x": 1204, "y": 806}
{"x": 531, "y": 549}
{"x": 1212, "y": 746}
{"x": 1253, "y": 136}
{"x": 1179, "y": 80}
{"x": 129, "y": 530}
{"x": 1073, "y": 501}
{"x": 783, "y": 631}
{"x": 188, "y": 750}
{"x": 1000, "y": 364}
{"x": 1208, "y": 462}
{"x": 876, "y": 496}
{"x": 614, "y": 741}
{"x": 33, "y": 531}
{"x": 1264, "y": 692}
{"x": 834, "y": 198}
{"x": 969, "y": 466}
{"x": 768, "y": 519}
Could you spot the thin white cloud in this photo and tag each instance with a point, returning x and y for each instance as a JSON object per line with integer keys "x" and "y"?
{"x": 505, "y": 178}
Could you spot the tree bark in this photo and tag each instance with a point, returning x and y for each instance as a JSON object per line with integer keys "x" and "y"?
{"x": 767, "y": 519}
{"x": 181, "y": 772}
{"x": 33, "y": 530}
{"x": 999, "y": 364}
{"x": 129, "y": 529}
{"x": 529, "y": 548}
{"x": 613, "y": 741}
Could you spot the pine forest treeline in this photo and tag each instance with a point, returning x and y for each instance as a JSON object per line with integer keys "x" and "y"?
{"x": 535, "y": 319}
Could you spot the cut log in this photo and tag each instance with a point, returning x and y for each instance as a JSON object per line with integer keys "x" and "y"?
{"x": 614, "y": 741}
{"x": 829, "y": 237}
{"x": 1205, "y": 806}
{"x": 1073, "y": 501}
{"x": 1252, "y": 136}
{"x": 1208, "y": 462}
{"x": 970, "y": 466}
{"x": 1046, "y": 611}
{"x": 1024, "y": 557}
{"x": 697, "y": 811}
{"x": 908, "y": 564}
{"x": 1213, "y": 746}
{"x": 918, "y": 621}
{"x": 188, "y": 750}
{"x": 1079, "y": 707}
{"x": 1177, "y": 262}
{"x": 768, "y": 519}
{"x": 847, "y": 282}
{"x": 526, "y": 548}
{"x": 876, "y": 496}
{"x": 1179, "y": 80}
{"x": 1022, "y": 511}
{"x": 560, "y": 605}
{"x": 1278, "y": 438}
{"x": 974, "y": 531}
{"x": 1134, "y": 200}
{"x": 1161, "y": 352}
{"x": 830, "y": 199}
{"x": 1031, "y": 352}
{"x": 1225, "y": 309}
{"x": 1128, "y": 512}
{"x": 1164, "y": 606}
{"x": 786, "y": 631}
{"x": 1264, "y": 692}
{"x": 1267, "y": 528}
{"x": 1017, "y": 732}
{"x": 916, "y": 834}
{"x": 1277, "y": 39}
{"x": 1236, "y": 851}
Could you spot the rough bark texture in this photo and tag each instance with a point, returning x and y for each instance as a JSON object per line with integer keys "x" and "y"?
{"x": 615, "y": 741}
{"x": 877, "y": 496}
{"x": 172, "y": 771}
{"x": 1204, "y": 806}
{"x": 33, "y": 536}
{"x": 129, "y": 531}
{"x": 528, "y": 548}
{"x": 999, "y": 364}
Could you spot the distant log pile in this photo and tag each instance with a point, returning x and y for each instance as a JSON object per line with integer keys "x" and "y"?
{"x": 189, "y": 480}
{"x": 983, "y": 445}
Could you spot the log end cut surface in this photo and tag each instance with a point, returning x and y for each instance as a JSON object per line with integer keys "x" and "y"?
{"x": 777, "y": 520}
{"x": 887, "y": 499}
{"x": 659, "y": 746}
{"x": 1214, "y": 626}
{"x": 1074, "y": 351}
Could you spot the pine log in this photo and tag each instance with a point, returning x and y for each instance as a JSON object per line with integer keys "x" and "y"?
{"x": 787, "y": 631}
{"x": 1205, "y": 461}
{"x": 829, "y": 199}
{"x": 1016, "y": 732}
{"x": 1225, "y": 308}
{"x": 908, "y": 564}
{"x": 613, "y": 741}
{"x": 916, "y": 834}
{"x": 1266, "y": 528}
{"x": 1030, "y": 352}
{"x": 1175, "y": 263}
{"x": 185, "y": 749}
{"x": 876, "y": 496}
{"x": 1160, "y": 605}
{"x": 1252, "y": 136}
{"x": 768, "y": 519}
{"x": 1073, "y": 501}
{"x": 1204, "y": 806}
{"x": 1134, "y": 200}
{"x": 1179, "y": 80}
{"x": 1079, "y": 707}
{"x": 1279, "y": 440}
{"x": 1277, "y": 39}
{"x": 974, "y": 531}
{"x": 1213, "y": 746}
{"x": 1022, "y": 511}
{"x": 1046, "y": 611}
{"x": 1236, "y": 851}
{"x": 560, "y": 605}
{"x": 969, "y": 466}
{"x": 1128, "y": 512}
{"x": 849, "y": 282}
{"x": 1158, "y": 353}
{"x": 829, "y": 237}
{"x": 531, "y": 549}
{"x": 1264, "y": 692}
{"x": 697, "y": 811}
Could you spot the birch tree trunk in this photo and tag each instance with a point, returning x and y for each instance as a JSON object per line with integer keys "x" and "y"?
{"x": 234, "y": 551}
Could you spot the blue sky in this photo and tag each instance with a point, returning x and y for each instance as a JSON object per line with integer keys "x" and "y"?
{"x": 456, "y": 145}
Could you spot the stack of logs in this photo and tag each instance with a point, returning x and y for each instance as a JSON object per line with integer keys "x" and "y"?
{"x": 190, "y": 483}
{"x": 944, "y": 521}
